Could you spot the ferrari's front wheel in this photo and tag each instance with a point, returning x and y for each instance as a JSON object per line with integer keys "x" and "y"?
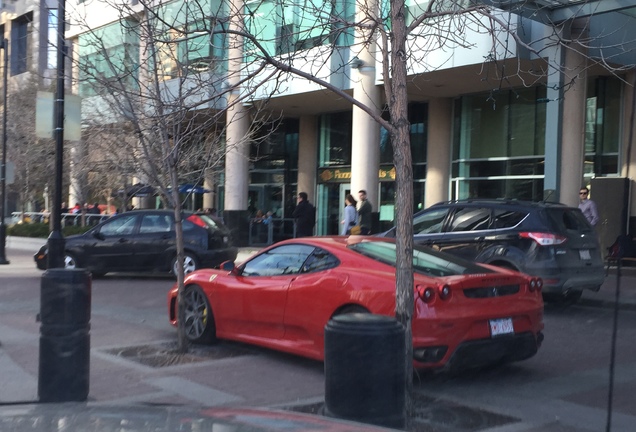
{"x": 199, "y": 320}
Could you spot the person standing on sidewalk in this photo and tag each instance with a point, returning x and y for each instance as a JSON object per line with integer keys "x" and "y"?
{"x": 364, "y": 213}
{"x": 588, "y": 207}
{"x": 305, "y": 216}
{"x": 350, "y": 215}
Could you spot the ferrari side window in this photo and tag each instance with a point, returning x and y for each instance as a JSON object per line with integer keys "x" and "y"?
{"x": 283, "y": 260}
{"x": 320, "y": 260}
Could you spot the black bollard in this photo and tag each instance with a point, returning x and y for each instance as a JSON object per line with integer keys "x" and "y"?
{"x": 65, "y": 311}
{"x": 365, "y": 369}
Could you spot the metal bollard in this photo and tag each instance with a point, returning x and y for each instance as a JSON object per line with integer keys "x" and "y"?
{"x": 365, "y": 369}
{"x": 65, "y": 310}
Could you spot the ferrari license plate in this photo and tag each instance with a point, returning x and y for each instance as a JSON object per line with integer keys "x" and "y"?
{"x": 585, "y": 254}
{"x": 499, "y": 327}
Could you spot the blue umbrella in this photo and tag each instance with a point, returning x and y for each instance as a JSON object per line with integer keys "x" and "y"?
{"x": 187, "y": 188}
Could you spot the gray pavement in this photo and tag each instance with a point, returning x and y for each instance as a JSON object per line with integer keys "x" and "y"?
{"x": 224, "y": 375}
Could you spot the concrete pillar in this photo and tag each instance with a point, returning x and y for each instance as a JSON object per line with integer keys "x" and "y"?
{"x": 75, "y": 193}
{"x": 209, "y": 184}
{"x": 573, "y": 130}
{"x": 365, "y": 145}
{"x": 308, "y": 156}
{"x": 438, "y": 150}
{"x": 237, "y": 120}
{"x": 628, "y": 168}
{"x": 237, "y": 143}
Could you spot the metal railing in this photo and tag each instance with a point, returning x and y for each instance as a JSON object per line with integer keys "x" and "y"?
{"x": 265, "y": 234}
{"x": 76, "y": 219}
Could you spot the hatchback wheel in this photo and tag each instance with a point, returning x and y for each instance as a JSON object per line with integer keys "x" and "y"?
{"x": 69, "y": 261}
{"x": 199, "y": 320}
{"x": 190, "y": 264}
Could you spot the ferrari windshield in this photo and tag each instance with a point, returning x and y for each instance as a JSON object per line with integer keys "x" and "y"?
{"x": 425, "y": 260}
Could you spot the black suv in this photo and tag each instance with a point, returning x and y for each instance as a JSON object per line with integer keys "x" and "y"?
{"x": 549, "y": 240}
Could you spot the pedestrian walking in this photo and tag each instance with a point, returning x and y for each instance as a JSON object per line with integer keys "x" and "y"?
{"x": 350, "y": 215}
{"x": 305, "y": 216}
{"x": 364, "y": 213}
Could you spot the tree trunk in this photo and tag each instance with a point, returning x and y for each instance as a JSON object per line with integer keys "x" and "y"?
{"x": 398, "y": 108}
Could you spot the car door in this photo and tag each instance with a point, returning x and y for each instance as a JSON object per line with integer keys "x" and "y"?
{"x": 312, "y": 297}
{"x": 156, "y": 235}
{"x": 468, "y": 230}
{"x": 113, "y": 249}
{"x": 254, "y": 304}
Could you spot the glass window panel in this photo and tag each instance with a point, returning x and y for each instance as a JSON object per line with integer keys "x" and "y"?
{"x": 430, "y": 222}
{"x": 335, "y": 139}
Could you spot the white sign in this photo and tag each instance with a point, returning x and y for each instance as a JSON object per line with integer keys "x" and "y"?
{"x": 9, "y": 173}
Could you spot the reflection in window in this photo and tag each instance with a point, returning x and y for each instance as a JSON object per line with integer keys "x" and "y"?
{"x": 430, "y": 221}
{"x": 124, "y": 225}
{"x": 109, "y": 55}
{"x": 320, "y": 260}
{"x": 470, "y": 219}
{"x": 283, "y": 260}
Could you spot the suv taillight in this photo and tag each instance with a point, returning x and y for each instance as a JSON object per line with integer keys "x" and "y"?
{"x": 544, "y": 239}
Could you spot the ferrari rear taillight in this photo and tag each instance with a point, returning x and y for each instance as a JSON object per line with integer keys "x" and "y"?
{"x": 535, "y": 284}
{"x": 428, "y": 294}
{"x": 444, "y": 292}
{"x": 544, "y": 239}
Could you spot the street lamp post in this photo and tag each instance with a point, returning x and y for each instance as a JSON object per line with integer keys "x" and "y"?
{"x": 56, "y": 241}
{"x": 3, "y": 169}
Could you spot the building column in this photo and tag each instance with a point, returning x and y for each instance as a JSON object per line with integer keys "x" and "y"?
{"x": 75, "y": 193}
{"x": 573, "y": 131}
{"x": 628, "y": 158}
{"x": 365, "y": 145}
{"x": 308, "y": 156}
{"x": 237, "y": 144}
{"x": 209, "y": 184}
{"x": 438, "y": 150}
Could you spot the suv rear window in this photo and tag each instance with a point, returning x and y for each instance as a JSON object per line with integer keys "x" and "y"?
{"x": 470, "y": 219}
{"x": 569, "y": 219}
{"x": 508, "y": 218}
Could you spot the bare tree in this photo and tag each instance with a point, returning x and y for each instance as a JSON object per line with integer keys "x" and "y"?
{"x": 31, "y": 156}
{"x": 157, "y": 110}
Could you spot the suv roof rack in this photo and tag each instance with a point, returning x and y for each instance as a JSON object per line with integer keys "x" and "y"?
{"x": 513, "y": 201}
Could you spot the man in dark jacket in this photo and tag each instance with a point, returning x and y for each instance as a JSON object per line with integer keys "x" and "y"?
{"x": 364, "y": 213}
{"x": 305, "y": 216}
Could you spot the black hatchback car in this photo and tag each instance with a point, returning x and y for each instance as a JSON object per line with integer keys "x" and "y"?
{"x": 549, "y": 240}
{"x": 145, "y": 240}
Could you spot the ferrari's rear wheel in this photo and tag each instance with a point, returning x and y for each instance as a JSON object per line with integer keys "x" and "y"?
{"x": 199, "y": 320}
{"x": 351, "y": 309}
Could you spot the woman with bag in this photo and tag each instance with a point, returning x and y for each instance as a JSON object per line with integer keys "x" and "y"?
{"x": 350, "y": 215}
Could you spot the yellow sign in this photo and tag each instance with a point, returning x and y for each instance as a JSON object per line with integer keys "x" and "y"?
{"x": 343, "y": 175}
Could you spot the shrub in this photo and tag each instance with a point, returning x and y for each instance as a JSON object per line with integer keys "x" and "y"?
{"x": 41, "y": 230}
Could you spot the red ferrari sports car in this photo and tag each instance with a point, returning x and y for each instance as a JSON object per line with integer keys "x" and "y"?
{"x": 465, "y": 315}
